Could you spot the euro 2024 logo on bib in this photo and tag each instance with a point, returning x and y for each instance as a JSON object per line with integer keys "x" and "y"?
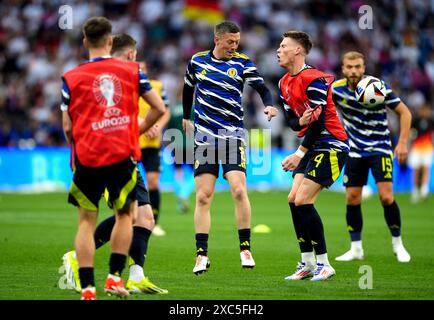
{"x": 107, "y": 89}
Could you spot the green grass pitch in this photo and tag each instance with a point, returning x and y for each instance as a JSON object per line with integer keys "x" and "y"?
{"x": 35, "y": 231}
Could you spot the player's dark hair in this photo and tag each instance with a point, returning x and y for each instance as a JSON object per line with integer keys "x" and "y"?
{"x": 121, "y": 42}
{"x": 300, "y": 37}
{"x": 96, "y": 30}
{"x": 226, "y": 27}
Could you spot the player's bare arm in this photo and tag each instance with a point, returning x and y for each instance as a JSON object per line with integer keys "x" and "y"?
{"x": 401, "y": 150}
{"x": 164, "y": 120}
{"x": 157, "y": 128}
{"x": 188, "y": 126}
{"x": 67, "y": 126}
{"x": 292, "y": 161}
{"x": 156, "y": 111}
{"x": 153, "y": 132}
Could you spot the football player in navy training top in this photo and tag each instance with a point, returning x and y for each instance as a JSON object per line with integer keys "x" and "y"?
{"x": 219, "y": 76}
{"x": 371, "y": 149}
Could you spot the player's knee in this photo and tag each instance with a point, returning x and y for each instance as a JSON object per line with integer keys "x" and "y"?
{"x": 203, "y": 197}
{"x": 301, "y": 199}
{"x": 239, "y": 193}
{"x": 291, "y": 198}
{"x": 150, "y": 223}
{"x": 386, "y": 199}
{"x": 354, "y": 199}
{"x": 145, "y": 218}
{"x": 299, "y": 202}
{"x": 153, "y": 183}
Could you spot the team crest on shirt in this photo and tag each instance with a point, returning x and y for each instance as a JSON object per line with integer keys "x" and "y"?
{"x": 232, "y": 72}
{"x": 107, "y": 89}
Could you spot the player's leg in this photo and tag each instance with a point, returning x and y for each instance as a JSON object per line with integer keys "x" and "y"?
{"x": 425, "y": 177}
{"x": 306, "y": 267}
{"x": 182, "y": 204}
{"x": 121, "y": 184}
{"x": 84, "y": 244}
{"x": 142, "y": 229}
{"x": 417, "y": 185}
{"x": 237, "y": 183}
{"x": 233, "y": 158}
{"x": 184, "y": 181}
{"x": 85, "y": 252}
{"x": 354, "y": 221}
{"x": 393, "y": 220}
{"x": 425, "y": 173}
{"x": 153, "y": 178}
{"x": 415, "y": 162}
{"x": 355, "y": 177}
{"x": 304, "y": 202}
{"x": 206, "y": 172}
{"x": 382, "y": 170}
{"x": 151, "y": 164}
{"x": 84, "y": 193}
{"x": 120, "y": 243}
{"x": 322, "y": 170}
{"x": 103, "y": 231}
{"x": 205, "y": 183}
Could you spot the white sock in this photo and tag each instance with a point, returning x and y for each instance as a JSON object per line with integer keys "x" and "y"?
{"x": 396, "y": 241}
{"x": 424, "y": 190}
{"x": 308, "y": 258}
{"x": 415, "y": 194}
{"x": 356, "y": 245}
{"x": 322, "y": 258}
{"x": 136, "y": 273}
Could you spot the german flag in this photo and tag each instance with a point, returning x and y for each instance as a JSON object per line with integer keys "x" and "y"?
{"x": 205, "y": 10}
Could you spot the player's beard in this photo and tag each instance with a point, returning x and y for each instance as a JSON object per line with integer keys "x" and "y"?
{"x": 353, "y": 81}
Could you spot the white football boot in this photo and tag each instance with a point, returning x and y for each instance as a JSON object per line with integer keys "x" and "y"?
{"x": 303, "y": 271}
{"x": 323, "y": 272}
{"x": 399, "y": 250}
{"x": 247, "y": 259}
{"x": 352, "y": 254}
{"x": 202, "y": 264}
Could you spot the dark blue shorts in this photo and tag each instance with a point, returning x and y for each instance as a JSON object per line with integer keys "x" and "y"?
{"x": 231, "y": 155}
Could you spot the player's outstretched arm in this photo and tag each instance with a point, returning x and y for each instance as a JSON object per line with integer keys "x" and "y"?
{"x": 401, "y": 149}
{"x": 156, "y": 111}
{"x": 267, "y": 100}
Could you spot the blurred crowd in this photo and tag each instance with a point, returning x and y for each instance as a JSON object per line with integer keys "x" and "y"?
{"x": 35, "y": 52}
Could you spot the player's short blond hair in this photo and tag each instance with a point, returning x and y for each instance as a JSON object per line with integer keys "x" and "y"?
{"x": 352, "y": 55}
